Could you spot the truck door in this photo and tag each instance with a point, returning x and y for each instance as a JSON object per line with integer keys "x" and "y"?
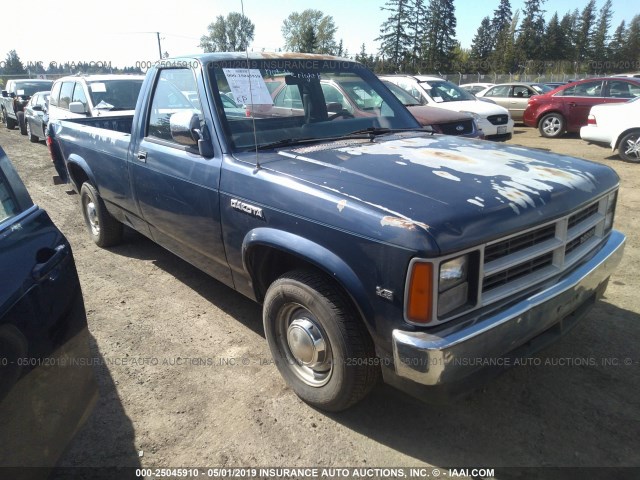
{"x": 176, "y": 188}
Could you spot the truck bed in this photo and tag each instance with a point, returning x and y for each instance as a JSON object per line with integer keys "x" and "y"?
{"x": 120, "y": 124}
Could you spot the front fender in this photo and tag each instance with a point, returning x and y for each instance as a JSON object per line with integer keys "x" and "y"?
{"x": 316, "y": 255}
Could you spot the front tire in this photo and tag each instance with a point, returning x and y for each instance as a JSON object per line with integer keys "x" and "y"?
{"x": 552, "y": 125}
{"x": 105, "y": 230}
{"x": 10, "y": 123}
{"x": 629, "y": 148}
{"x": 21, "y": 123}
{"x": 320, "y": 347}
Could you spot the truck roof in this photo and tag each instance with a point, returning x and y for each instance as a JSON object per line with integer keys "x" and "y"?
{"x": 218, "y": 56}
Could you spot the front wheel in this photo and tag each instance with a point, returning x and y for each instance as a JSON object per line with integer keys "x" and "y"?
{"x": 21, "y": 123}
{"x": 552, "y": 125}
{"x": 320, "y": 347}
{"x": 105, "y": 230}
{"x": 32, "y": 137}
{"x": 10, "y": 123}
{"x": 629, "y": 148}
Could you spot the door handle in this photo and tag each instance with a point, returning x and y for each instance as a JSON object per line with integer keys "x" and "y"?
{"x": 572, "y": 104}
{"x": 142, "y": 156}
{"x": 48, "y": 259}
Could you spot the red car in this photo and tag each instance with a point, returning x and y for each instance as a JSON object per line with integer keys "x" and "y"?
{"x": 566, "y": 108}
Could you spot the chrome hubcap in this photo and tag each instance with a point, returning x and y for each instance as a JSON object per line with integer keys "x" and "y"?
{"x": 632, "y": 147}
{"x": 305, "y": 344}
{"x": 551, "y": 125}
{"x": 92, "y": 217}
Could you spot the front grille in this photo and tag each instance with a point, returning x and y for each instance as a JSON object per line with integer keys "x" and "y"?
{"x": 498, "y": 119}
{"x": 525, "y": 259}
{"x": 457, "y": 128}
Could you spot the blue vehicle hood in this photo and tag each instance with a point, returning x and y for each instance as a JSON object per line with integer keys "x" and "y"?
{"x": 461, "y": 192}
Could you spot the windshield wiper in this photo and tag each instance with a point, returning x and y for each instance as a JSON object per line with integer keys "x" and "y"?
{"x": 373, "y": 132}
{"x": 285, "y": 142}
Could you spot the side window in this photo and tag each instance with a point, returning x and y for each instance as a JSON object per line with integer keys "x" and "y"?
{"x": 78, "y": 95}
{"x": 499, "y": 91}
{"x": 333, "y": 95}
{"x": 521, "y": 92}
{"x": 171, "y": 95}
{"x": 55, "y": 94}
{"x": 8, "y": 205}
{"x": 66, "y": 93}
{"x": 619, "y": 89}
{"x": 587, "y": 89}
{"x": 289, "y": 97}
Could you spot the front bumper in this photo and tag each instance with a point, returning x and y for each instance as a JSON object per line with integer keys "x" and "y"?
{"x": 455, "y": 353}
{"x": 496, "y": 132}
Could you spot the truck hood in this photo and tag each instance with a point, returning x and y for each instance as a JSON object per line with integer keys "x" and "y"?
{"x": 461, "y": 192}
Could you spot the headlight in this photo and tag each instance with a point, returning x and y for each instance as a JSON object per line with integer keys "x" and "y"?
{"x": 453, "y": 272}
{"x": 611, "y": 208}
{"x": 453, "y": 285}
{"x": 440, "y": 290}
{"x": 475, "y": 116}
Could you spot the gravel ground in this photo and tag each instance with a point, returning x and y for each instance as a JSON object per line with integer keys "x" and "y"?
{"x": 186, "y": 377}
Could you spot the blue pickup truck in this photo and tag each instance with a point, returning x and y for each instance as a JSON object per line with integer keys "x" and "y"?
{"x": 376, "y": 247}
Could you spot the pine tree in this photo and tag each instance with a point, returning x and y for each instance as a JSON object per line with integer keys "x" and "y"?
{"x": 529, "y": 43}
{"x": 295, "y": 30}
{"x": 501, "y": 20}
{"x": 440, "y": 35}
{"x": 555, "y": 41}
{"x": 394, "y": 37}
{"x": 600, "y": 37}
{"x": 584, "y": 32}
{"x": 417, "y": 14}
{"x": 617, "y": 49}
{"x": 632, "y": 45}
{"x": 482, "y": 45}
{"x": 13, "y": 65}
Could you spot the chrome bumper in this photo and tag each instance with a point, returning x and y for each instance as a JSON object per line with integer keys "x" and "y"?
{"x": 453, "y": 353}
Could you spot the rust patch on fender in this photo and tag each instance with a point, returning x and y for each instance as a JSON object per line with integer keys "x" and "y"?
{"x": 399, "y": 222}
{"x": 554, "y": 172}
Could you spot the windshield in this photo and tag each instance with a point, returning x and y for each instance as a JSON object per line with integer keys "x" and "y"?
{"x": 290, "y": 100}
{"x": 443, "y": 91}
{"x": 115, "y": 94}
{"x": 541, "y": 88}
{"x": 26, "y": 89}
{"x": 403, "y": 96}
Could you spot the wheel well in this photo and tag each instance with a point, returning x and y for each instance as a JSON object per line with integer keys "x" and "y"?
{"x": 266, "y": 264}
{"x": 77, "y": 175}
{"x": 631, "y": 130}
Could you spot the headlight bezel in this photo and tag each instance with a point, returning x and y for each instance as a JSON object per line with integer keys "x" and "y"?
{"x": 468, "y": 286}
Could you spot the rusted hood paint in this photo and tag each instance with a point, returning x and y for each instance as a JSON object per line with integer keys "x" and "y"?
{"x": 462, "y": 192}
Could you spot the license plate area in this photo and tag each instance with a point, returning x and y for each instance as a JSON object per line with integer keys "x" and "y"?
{"x": 502, "y": 129}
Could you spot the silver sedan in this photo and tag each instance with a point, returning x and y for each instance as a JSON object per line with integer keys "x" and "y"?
{"x": 514, "y": 96}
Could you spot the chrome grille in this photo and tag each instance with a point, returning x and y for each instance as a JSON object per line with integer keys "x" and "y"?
{"x": 522, "y": 260}
{"x": 498, "y": 119}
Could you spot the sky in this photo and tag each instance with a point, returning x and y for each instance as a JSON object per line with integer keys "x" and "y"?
{"x": 122, "y": 32}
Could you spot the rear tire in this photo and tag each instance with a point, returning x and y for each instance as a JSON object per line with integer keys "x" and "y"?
{"x": 320, "y": 346}
{"x": 629, "y": 148}
{"x": 552, "y": 125}
{"x": 10, "y": 123}
{"x": 105, "y": 230}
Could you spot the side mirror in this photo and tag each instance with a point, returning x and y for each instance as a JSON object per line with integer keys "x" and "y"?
{"x": 334, "y": 107}
{"x": 5, "y": 93}
{"x": 77, "y": 107}
{"x": 183, "y": 126}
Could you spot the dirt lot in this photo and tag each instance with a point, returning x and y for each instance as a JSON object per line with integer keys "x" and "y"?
{"x": 185, "y": 378}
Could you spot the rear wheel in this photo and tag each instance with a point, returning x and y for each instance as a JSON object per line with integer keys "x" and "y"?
{"x": 105, "y": 230}
{"x": 629, "y": 148}
{"x": 552, "y": 125}
{"x": 32, "y": 137}
{"x": 320, "y": 347}
{"x": 10, "y": 123}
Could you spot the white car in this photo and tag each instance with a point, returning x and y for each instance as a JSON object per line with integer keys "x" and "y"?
{"x": 495, "y": 121}
{"x": 616, "y": 125}
{"x": 94, "y": 96}
{"x": 476, "y": 87}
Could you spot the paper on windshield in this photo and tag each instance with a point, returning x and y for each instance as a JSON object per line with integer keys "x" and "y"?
{"x": 19, "y": 92}
{"x": 247, "y": 86}
{"x": 98, "y": 87}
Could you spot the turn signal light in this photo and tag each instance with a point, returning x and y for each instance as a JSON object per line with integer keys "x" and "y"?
{"x": 420, "y": 294}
